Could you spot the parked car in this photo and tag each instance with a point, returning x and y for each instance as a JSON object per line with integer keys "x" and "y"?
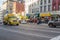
{"x": 54, "y": 23}
{"x": 23, "y": 22}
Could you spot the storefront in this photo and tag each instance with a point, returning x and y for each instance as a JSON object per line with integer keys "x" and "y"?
{"x": 55, "y": 16}
{"x": 45, "y": 15}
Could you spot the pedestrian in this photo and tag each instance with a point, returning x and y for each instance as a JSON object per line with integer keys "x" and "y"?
{"x": 38, "y": 21}
{"x": 46, "y": 20}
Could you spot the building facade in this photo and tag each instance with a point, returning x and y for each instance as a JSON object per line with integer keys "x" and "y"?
{"x": 18, "y": 7}
{"x": 45, "y": 6}
{"x": 4, "y": 7}
{"x": 34, "y": 8}
{"x": 15, "y": 6}
{"x": 27, "y": 4}
{"x": 41, "y": 6}
{"x": 56, "y": 5}
{"x": 1, "y": 15}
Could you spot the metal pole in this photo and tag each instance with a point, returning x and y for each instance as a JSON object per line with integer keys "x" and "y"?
{"x": 8, "y": 6}
{"x": 55, "y": 12}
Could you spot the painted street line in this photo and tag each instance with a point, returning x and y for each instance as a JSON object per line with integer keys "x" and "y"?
{"x": 24, "y": 33}
{"x": 56, "y": 38}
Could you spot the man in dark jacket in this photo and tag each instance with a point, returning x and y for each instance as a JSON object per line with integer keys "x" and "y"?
{"x": 38, "y": 21}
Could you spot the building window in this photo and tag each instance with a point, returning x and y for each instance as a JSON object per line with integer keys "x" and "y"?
{"x": 41, "y": 9}
{"x": 10, "y": 0}
{"x": 49, "y": 1}
{"x": 54, "y": 8}
{"x": 11, "y": 5}
{"x": 37, "y": 10}
{"x": 38, "y": 2}
{"x": 10, "y": 8}
{"x": 54, "y": 0}
{"x": 49, "y": 7}
{"x": 59, "y": 7}
{"x": 32, "y": 5}
{"x": 44, "y": 1}
{"x": 32, "y": 11}
{"x": 44, "y": 8}
{"x": 41, "y": 2}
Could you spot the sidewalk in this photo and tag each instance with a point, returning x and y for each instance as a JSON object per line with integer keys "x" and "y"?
{"x": 34, "y": 24}
{"x": 56, "y": 38}
{"x": 38, "y": 24}
{"x": 1, "y": 23}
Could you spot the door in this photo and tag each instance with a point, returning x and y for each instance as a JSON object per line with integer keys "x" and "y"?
{"x": 56, "y": 22}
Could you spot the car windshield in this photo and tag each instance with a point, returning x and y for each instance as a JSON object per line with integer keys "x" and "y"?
{"x": 12, "y": 17}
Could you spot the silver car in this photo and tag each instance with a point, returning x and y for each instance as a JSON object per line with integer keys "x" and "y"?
{"x": 54, "y": 23}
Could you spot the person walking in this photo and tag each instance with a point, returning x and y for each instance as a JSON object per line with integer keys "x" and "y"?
{"x": 38, "y": 21}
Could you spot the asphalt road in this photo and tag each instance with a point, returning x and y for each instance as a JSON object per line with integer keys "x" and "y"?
{"x": 28, "y": 32}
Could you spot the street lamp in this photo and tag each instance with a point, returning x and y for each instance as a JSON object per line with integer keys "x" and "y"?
{"x": 8, "y": 6}
{"x": 55, "y": 12}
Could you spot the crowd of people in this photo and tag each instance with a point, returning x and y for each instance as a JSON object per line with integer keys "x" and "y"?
{"x": 38, "y": 20}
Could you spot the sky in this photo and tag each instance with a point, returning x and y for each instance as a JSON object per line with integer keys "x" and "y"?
{"x": 1, "y": 1}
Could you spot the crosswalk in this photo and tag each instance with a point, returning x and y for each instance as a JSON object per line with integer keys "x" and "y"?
{"x": 26, "y": 33}
{"x": 37, "y": 31}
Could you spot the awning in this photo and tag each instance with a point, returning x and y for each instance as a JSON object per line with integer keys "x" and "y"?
{"x": 44, "y": 14}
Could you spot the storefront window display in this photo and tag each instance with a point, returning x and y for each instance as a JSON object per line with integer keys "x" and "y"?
{"x": 55, "y": 16}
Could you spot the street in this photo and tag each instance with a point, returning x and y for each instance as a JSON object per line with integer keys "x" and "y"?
{"x": 28, "y": 32}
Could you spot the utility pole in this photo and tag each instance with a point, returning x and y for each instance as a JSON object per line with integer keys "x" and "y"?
{"x": 8, "y": 8}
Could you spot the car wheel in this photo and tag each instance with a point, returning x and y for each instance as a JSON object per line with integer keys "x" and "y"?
{"x": 50, "y": 25}
{"x": 4, "y": 23}
{"x": 54, "y": 26}
{"x": 9, "y": 24}
{"x": 17, "y": 24}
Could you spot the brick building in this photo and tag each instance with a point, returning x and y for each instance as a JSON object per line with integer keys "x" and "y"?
{"x": 18, "y": 7}
{"x": 13, "y": 6}
{"x": 56, "y": 5}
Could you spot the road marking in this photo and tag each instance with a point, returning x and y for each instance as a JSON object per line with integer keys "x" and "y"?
{"x": 56, "y": 38}
{"x": 41, "y": 27}
{"x": 30, "y": 34}
{"x": 43, "y": 30}
{"x": 46, "y": 30}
